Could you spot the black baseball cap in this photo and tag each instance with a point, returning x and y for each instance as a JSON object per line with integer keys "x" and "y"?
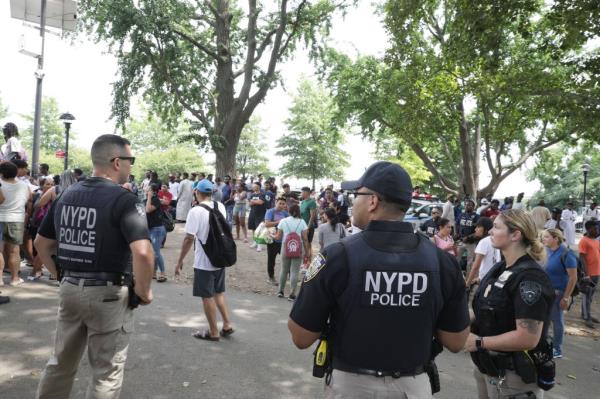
{"x": 387, "y": 179}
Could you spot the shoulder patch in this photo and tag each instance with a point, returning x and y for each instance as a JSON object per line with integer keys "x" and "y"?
{"x": 315, "y": 267}
{"x": 530, "y": 291}
{"x": 141, "y": 209}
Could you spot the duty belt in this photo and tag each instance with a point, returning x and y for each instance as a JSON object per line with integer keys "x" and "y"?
{"x": 339, "y": 365}
{"x": 96, "y": 278}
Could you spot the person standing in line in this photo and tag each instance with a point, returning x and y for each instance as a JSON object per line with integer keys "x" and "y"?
{"x": 95, "y": 295}
{"x": 561, "y": 267}
{"x": 290, "y": 197}
{"x": 14, "y": 198}
{"x": 486, "y": 256}
{"x": 209, "y": 281}
{"x": 258, "y": 208}
{"x": 555, "y": 221}
{"x": 228, "y": 190}
{"x": 443, "y": 239}
{"x": 511, "y": 310}
{"x": 352, "y": 291}
{"x": 331, "y": 230}
{"x": 184, "y": 201}
{"x": 239, "y": 212}
{"x": 569, "y": 216}
{"x": 157, "y": 229}
{"x": 308, "y": 210}
{"x": 272, "y": 219}
{"x": 174, "y": 190}
{"x": 432, "y": 226}
{"x": 541, "y": 215}
{"x": 589, "y": 255}
{"x": 448, "y": 209}
{"x": 290, "y": 265}
{"x": 519, "y": 202}
{"x": 592, "y": 213}
{"x": 12, "y": 149}
{"x": 466, "y": 226}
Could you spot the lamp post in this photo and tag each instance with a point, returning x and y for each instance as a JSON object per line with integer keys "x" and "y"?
{"x": 585, "y": 168}
{"x": 67, "y": 119}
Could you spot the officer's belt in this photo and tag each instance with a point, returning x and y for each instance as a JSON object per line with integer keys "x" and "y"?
{"x": 96, "y": 278}
{"x": 340, "y": 365}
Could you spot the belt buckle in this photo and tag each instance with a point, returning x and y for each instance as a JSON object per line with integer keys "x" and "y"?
{"x": 379, "y": 373}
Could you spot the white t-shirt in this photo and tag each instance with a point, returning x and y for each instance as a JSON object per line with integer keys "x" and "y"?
{"x": 16, "y": 196}
{"x": 13, "y": 144}
{"x": 490, "y": 254}
{"x": 174, "y": 189}
{"x": 291, "y": 224}
{"x": 197, "y": 225}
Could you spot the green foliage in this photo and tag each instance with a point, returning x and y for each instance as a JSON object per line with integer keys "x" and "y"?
{"x": 312, "y": 148}
{"x": 78, "y": 158}
{"x": 465, "y": 84}
{"x": 52, "y": 130}
{"x": 393, "y": 151}
{"x": 250, "y": 158}
{"x": 165, "y": 161}
{"x": 149, "y": 133}
{"x": 212, "y": 61}
{"x": 561, "y": 177}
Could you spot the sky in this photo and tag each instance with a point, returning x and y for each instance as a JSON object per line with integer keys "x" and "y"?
{"x": 79, "y": 74}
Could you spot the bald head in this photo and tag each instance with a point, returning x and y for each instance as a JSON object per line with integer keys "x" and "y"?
{"x": 107, "y": 147}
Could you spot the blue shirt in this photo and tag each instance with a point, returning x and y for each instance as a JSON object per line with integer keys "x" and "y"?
{"x": 555, "y": 268}
{"x": 273, "y": 215}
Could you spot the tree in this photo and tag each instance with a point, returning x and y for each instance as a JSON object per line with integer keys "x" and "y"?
{"x": 78, "y": 158}
{"x": 312, "y": 148}
{"x": 52, "y": 132}
{"x": 464, "y": 83}
{"x": 213, "y": 59}
{"x": 170, "y": 160}
{"x": 560, "y": 175}
{"x": 250, "y": 157}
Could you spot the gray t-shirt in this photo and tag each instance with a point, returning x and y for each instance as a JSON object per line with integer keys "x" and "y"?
{"x": 328, "y": 236}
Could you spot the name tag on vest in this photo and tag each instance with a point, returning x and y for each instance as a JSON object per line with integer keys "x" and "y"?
{"x": 395, "y": 289}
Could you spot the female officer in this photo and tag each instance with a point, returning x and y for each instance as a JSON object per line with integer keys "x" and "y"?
{"x": 511, "y": 312}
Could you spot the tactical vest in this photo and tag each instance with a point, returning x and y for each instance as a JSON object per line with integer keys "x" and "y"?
{"x": 492, "y": 303}
{"x": 387, "y": 314}
{"x": 87, "y": 230}
{"x": 467, "y": 223}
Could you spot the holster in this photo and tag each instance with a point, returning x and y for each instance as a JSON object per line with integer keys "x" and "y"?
{"x": 133, "y": 300}
{"x": 524, "y": 367}
{"x": 434, "y": 377}
{"x": 491, "y": 363}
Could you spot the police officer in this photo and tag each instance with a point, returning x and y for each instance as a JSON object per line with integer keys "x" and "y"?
{"x": 94, "y": 228}
{"x": 432, "y": 226}
{"x": 511, "y": 312}
{"x": 466, "y": 227}
{"x": 386, "y": 291}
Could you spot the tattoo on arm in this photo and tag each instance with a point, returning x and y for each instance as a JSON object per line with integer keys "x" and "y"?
{"x": 532, "y": 326}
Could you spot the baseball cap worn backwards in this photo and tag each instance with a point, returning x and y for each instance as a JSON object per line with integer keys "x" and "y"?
{"x": 204, "y": 186}
{"x": 387, "y": 179}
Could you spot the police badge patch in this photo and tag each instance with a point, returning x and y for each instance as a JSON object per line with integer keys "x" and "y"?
{"x": 531, "y": 291}
{"x": 315, "y": 267}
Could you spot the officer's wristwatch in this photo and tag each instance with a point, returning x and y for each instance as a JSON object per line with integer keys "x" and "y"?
{"x": 479, "y": 343}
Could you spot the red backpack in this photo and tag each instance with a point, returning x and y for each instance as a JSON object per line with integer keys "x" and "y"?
{"x": 292, "y": 245}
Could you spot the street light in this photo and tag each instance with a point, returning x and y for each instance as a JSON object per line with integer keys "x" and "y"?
{"x": 586, "y": 168}
{"x": 67, "y": 119}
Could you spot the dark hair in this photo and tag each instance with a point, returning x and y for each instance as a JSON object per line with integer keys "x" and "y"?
{"x": 332, "y": 216}
{"x": 443, "y": 222}
{"x": 257, "y": 183}
{"x": 10, "y": 130}
{"x": 153, "y": 176}
{"x": 105, "y": 147}
{"x": 56, "y": 179}
{"x": 78, "y": 171}
{"x": 307, "y": 189}
{"x": 285, "y": 185}
{"x": 8, "y": 170}
{"x": 590, "y": 223}
{"x": 294, "y": 211}
{"x": 19, "y": 163}
{"x": 155, "y": 187}
{"x": 44, "y": 166}
{"x": 495, "y": 201}
{"x": 280, "y": 199}
{"x": 185, "y": 175}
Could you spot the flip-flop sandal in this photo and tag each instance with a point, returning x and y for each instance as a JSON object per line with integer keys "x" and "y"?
{"x": 205, "y": 336}
{"x": 226, "y": 333}
{"x": 161, "y": 279}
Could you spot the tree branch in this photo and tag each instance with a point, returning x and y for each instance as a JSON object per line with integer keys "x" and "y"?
{"x": 294, "y": 28}
{"x": 203, "y": 18}
{"x": 251, "y": 40}
{"x": 197, "y": 44}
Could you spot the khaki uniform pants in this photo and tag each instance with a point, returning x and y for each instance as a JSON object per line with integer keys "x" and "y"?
{"x": 349, "y": 385}
{"x": 487, "y": 387}
{"x": 98, "y": 317}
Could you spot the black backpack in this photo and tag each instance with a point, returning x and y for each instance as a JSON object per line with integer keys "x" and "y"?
{"x": 220, "y": 247}
{"x": 580, "y": 272}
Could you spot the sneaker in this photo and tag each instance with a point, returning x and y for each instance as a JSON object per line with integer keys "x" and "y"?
{"x": 280, "y": 294}
{"x": 556, "y": 354}
{"x": 292, "y": 298}
{"x": 588, "y": 323}
{"x": 17, "y": 282}
{"x": 272, "y": 281}
{"x": 253, "y": 244}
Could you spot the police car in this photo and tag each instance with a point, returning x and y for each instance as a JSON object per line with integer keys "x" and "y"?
{"x": 420, "y": 213}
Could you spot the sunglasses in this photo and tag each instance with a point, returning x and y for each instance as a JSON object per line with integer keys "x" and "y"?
{"x": 130, "y": 159}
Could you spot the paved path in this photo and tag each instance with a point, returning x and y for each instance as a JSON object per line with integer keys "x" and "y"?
{"x": 259, "y": 361}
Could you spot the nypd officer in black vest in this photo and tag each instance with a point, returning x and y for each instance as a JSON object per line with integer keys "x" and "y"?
{"x": 511, "y": 311}
{"x": 380, "y": 296}
{"x": 94, "y": 228}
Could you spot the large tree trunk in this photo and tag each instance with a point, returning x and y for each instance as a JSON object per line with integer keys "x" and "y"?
{"x": 468, "y": 185}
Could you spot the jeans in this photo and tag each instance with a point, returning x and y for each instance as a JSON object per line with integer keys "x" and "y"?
{"x": 229, "y": 212}
{"x": 272, "y": 250}
{"x": 586, "y": 301}
{"x": 157, "y": 234}
{"x": 558, "y": 322}
{"x": 289, "y": 266}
